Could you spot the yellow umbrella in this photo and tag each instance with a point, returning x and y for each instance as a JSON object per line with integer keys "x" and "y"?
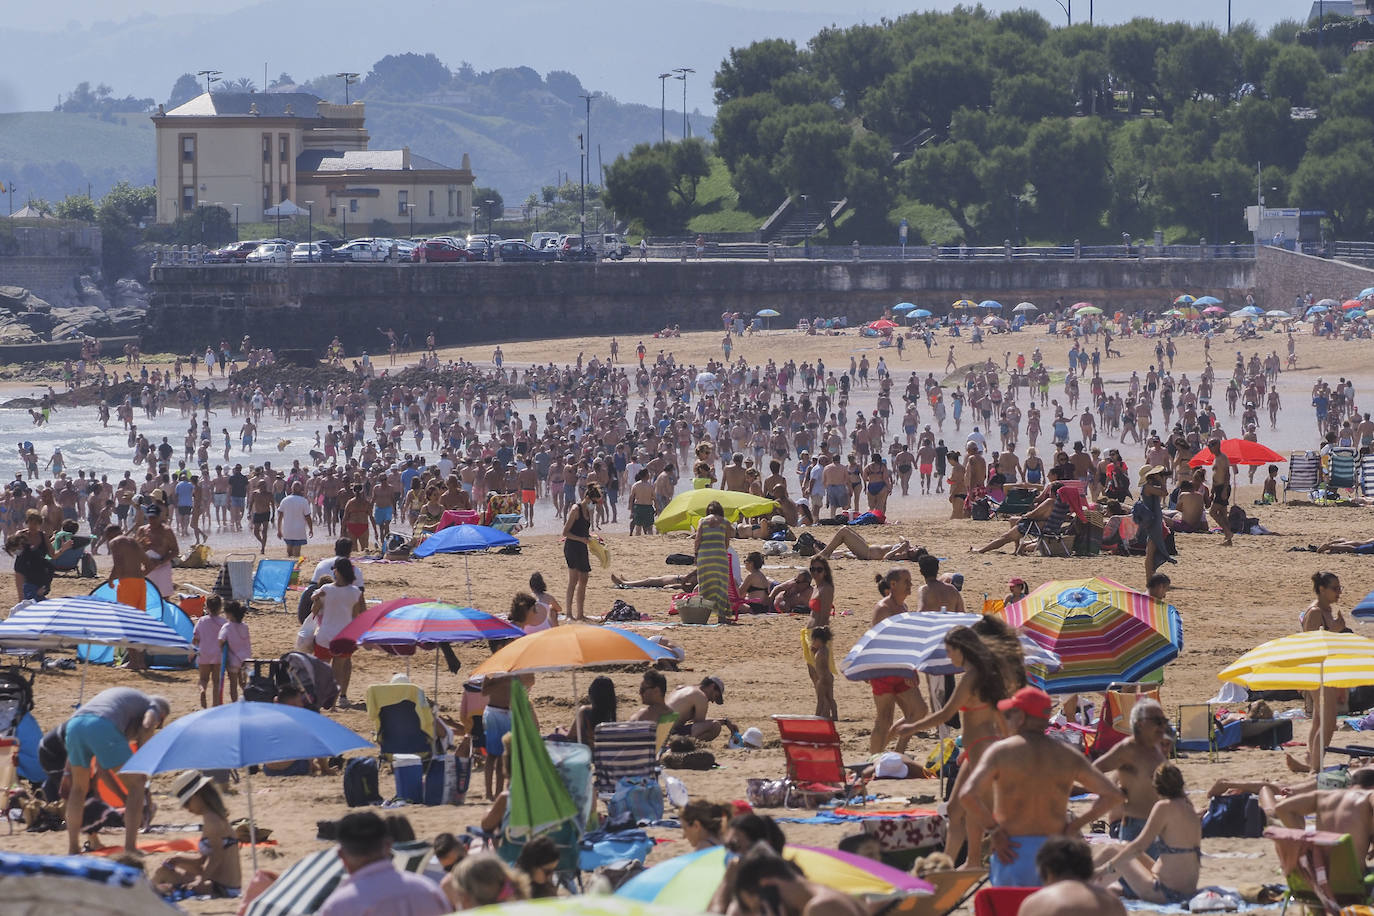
{"x": 1306, "y": 661}
{"x": 687, "y": 508}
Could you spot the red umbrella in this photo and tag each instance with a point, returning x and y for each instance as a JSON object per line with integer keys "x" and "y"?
{"x": 1240, "y": 451}
{"x": 1080, "y": 305}
{"x": 347, "y": 640}
{"x": 882, "y": 324}
{"x": 1352, "y": 304}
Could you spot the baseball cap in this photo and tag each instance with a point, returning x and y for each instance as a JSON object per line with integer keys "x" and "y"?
{"x": 1033, "y": 701}
{"x": 1017, "y": 581}
{"x": 720, "y": 685}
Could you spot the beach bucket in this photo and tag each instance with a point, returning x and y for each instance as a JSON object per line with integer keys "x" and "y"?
{"x": 410, "y": 776}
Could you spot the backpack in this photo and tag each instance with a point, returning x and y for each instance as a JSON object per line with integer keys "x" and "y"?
{"x": 1233, "y": 816}
{"x": 1236, "y": 521}
{"x": 806, "y": 545}
{"x": 361, "y": 784}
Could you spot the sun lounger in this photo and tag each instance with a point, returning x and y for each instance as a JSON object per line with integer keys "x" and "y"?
{"x": 1304, "y": 471}
{"x": 1341, "y": 474}
{"x": 952, "y": 888}
{"x": 1367, "y": 476}
{"x": 271, "y": 581}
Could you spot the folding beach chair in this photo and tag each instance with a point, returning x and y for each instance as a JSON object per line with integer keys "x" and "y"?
{"x": 1367, "y": 475}
{"x": 1304, "y": 471}
{"x": 1018, "y": 502}
{"x": 1321, "y": 868}
{"x": 304, "y": 887}
{"x": 76, "y": 560}
{"x": 624, "y": 750}
{"x": 815, "y": 764}
{"x": 236, "y": 578}
{"x": 271, "y": 581}
{"x": 1198, "y": 730}
{"x": 952, "y": 888}
{"x": 1114, "y": 724}
{"x": 1051, "y": 531}
{"x": 402, "y": 720}
{"x": 1341, "y": 474}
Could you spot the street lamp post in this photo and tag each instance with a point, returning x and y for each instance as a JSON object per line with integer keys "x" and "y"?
{"x": 343, "y": 212}
{"x": 587, "y": 162}
{"x": 489, "y": 204}
{"x": 200, "y": 205}
{"x": 218, "y": 204}
{"x": 1068, "y": 10}
{"x": 236, "y": 222}
{"x": 682, "y": 73}
{"x": 410, "y": 211}
{"x": 663, "y": 106}
{"x": 348, "y": 79}
{"x": 309, "y": 229}
{"x": 1216, "y": 218}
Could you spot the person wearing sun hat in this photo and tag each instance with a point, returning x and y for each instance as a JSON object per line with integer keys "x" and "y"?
{"x": 1029, "y": 776}
{"x": 213, "y": 868}
{"x": 1149, "y": 515}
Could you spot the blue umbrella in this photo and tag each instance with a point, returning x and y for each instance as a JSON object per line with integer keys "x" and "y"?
{"x": 1365, "y": 609}
{"x": 1254, "y": 310}
{"x": 1366, "y": 292}
{"x": 903, "y": 306}
{"x": 922, "y": 313}
{"x": 1316, "y": 310}
{"x": 464, "y": 539}
{"x": 989, "y": 304}
{"x": 239, "y": 735}
{"x": 1207, "y": 300}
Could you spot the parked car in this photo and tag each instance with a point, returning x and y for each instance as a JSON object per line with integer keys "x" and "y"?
{"x": 574, "y": 250}
{"x": 270, "y": 253}
{"x": 439, "y": 251}
{"x": 479, "y": 249}
{"x": 517, "y": 250}
{"x": 308, "y": 251}
{"x": 365, "y": 250}
{"x": 542, "y": 239}
{"x": 404, "y": 248}
{"x": 231, "y": 254}
{"x": 614, "y": 246}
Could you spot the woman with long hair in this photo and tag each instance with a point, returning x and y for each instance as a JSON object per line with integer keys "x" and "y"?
{"x": 1171, "y": 841}
{"x": 975, "y": 698}
{"x": 701, "y": 824}
{"x": 547, "y": 602}
{"x": 891, "y": 692}
{"x": 815, "y": 638}
{"x": 484, "y": 880}
{"x": 1322, "y": 614}
{"x": 600, "y": 707}
{"x": 577, "y": 534}
{"x": 712, "y": 548}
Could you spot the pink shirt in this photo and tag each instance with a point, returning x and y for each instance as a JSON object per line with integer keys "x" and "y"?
{"x": 234, "y": 634}
{"x": 378, "y": 889}
{"x": 205, "y": 637}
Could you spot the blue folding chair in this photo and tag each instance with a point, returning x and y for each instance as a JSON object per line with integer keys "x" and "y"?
{"x": 271, "y": 580}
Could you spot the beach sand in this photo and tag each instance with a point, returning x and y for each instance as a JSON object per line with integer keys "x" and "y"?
{"x": 1230, "y": 600}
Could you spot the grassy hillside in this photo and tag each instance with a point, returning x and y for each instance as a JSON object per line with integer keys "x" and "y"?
{"x": 719, "y": 208}
{"x": 52, "y": 154}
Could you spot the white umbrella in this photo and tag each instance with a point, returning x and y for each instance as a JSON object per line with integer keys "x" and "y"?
{"x": 1026, "y": 307}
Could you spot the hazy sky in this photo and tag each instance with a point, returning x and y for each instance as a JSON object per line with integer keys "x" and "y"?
{"x": 139, "y": 47}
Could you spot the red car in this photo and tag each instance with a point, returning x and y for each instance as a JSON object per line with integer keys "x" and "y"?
{"x": 438, "y": 252}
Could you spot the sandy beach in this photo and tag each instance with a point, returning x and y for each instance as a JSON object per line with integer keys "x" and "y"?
{"x": 1231, "y": 599}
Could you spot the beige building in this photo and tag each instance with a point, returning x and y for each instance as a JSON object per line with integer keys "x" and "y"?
{"x": 254, "y": 151}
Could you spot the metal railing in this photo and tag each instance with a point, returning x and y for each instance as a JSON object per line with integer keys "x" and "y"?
{"x": 689, "y": 251}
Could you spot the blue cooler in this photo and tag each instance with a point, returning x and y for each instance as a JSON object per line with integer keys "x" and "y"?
{"x": 409, "y": 771}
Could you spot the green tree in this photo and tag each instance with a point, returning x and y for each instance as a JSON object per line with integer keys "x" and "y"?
{"x": 855, "y": 59}
{"x": 812, "y": 161}
{"x": 944, "y": 176}
{"x": 122, "y": 211}
{"x": 76, "y": 206}
{"x": 406, "y": 76}
{"x": 1296, "y": 74}
{"x": 688, "y": 164}
{"x": 638, "y": 187}
{"x": 868, "y": 186}
{"x": 751, "y": 70}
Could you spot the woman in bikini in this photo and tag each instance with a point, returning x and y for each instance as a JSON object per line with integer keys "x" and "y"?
{"x": 756, "y": 586}
{"x": 975, "y": 698}
{"x": 1172, "y": 877}
{"x": 815, "y": 638}
{"x": 1322, "y": 614}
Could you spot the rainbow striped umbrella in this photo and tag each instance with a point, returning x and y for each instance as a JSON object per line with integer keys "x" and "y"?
{"x": 1101, "y": 630}
{"x": 433, "y": 623}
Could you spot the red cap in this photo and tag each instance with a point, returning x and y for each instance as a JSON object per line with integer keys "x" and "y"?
{"x": 740, "y": 806}
{"x": 1033, "y": 701}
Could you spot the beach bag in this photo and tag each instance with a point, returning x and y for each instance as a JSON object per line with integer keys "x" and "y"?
{"x": 981, "y": 511}
{"x": 198, "y": 557}
{"x": 680, "y": 559}
{"x": 361, "y": 782}
{"x": 303, "y": 606}
{"x": 765, "y": 793}
{"x": 1236, "y": 521}
{"x": 87, "y": 567}
{"x": 636, "y": 799}
{"x": 622, "y": 611}
{"x": 806, "y": 545}
{"x": 1233, "y": 816}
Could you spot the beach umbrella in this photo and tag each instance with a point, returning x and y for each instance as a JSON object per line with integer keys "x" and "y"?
{"x": 686, "y": 509}
{"x": 1240, "y": 451}
{"x": 1081, "y": 305}
{"x": 882, "y": 324}
{"x": 1352, "y": 304}
{"x": 903, "y": 306}
{"x": 464, "y": 539}
{"x": 992, "y": 321}
{"x": 1087, "y": 310}
{"x": 1328, "y": 303}
{"x": 304, "y": 887}
{"x": 570, "y": 646}
{"x": 1185, "y": 299}
{"x": 1277, "y": 313}
{"x": 768, "y": 313}
{"x": 243, "y": 734}
{"x": 37, "y": 885}
{"x": 347, "y": 640}
{"x": 431, "y": 624}
{"x": 1365, "y": 608}
{"x": 1316, "y": 310}
{"x": 1252, "y": 310}
{"x": 1214, "y": 310}
{"x": 690, "y": 880}
{"x": 65, "y": 623}
{"x": 1306, "y": 661}
{"x": 921, "y": 313}
{"x": 964, "y": 304}
{"x": 1366, "y": 292}
{"x": 990, "y": 304}
{"x": 583, "y": 905}
{"x": 1357, "y": 313}
{"x": 904, "y": 644}
{"x": 1242, "y": 315}
{"x": 1206, "y": 300}
{"x": 1101, "y": 630}
{"x": 1173, "y": 313}
{"x": 538, "y": 799}
{"x": 1026, "y": 307}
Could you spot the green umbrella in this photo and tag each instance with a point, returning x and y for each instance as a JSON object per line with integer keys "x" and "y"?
{"x": 538, "y": 801}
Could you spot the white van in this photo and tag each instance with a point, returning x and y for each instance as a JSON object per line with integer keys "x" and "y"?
{"x": 614, "y": 246}
{"x": 544, "y": 240}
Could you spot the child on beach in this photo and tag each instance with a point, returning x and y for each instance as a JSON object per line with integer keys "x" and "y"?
{"x": 213, "y": 868}
{"x": 233, "y": 636}
{"x": 1270, "y": 495}
{"x": 205, "y": 638}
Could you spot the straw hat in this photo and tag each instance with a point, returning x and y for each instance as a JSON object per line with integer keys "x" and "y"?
{"x": 188, "y": 784}
{"x": 1150, "y": 470}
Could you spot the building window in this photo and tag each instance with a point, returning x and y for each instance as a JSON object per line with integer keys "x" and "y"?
{"x": 402, "y": 201}
{"x": 431, "y": 203}
{"x": 188, "y": 149}
{"x": 353, "y": 205}
{"x": 283, "y": 148}
{"x": 450, "y": 201}
{"x": 285, "y": 192}
{"x": 266, "y": 147}
{"x": 266, "y": 196}
{"x": 188, "y": 198}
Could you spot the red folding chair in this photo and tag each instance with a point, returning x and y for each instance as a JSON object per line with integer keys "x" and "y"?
{"x": 815, "y": 762}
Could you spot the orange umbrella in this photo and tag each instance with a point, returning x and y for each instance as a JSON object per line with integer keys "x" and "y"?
{"x": 571, "y": 646}
{"x": 1240, "y": 451}
{"x": 1352, "y": 304}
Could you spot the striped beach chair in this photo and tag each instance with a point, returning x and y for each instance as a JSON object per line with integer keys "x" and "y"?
{"x": 304, "y": 887}
{"x": 624, "y": 749}
{"x": 1304, "y": 471}
{"x": 1341, "y": 475}
{"x": 1367, "y": 475}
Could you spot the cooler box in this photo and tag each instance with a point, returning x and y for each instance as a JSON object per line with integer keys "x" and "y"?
{"x": 410, "y": 777}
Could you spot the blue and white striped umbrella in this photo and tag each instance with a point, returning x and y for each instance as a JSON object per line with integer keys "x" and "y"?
{"x": 905, "y": 644}
{"x": 60, "y": 623}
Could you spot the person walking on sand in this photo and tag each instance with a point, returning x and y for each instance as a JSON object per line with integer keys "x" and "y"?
{"x": 1221, "y": 491}
{"x": 890, "y": 693}
{"x": 577, "y": 532}
{"x": 815, "y": 638}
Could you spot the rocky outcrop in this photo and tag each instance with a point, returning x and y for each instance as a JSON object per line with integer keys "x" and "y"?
{"x": 87, "y": 312}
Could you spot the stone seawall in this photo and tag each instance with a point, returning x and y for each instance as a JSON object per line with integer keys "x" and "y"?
{"x": 1281, "y": 275}
{"x": 53, "y": 278}
{"x": 307, "y": 304}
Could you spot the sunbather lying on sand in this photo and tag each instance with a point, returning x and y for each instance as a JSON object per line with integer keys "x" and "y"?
{"x": 687, "y": 580}
{"x": 862, "y": 550}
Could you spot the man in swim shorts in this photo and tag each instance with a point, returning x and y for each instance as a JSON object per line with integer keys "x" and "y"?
{"x": 1029, "y": 776}
{"x": 527, "y": 479}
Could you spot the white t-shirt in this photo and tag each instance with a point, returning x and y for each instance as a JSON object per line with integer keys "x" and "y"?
{"x": 294, "y": 515}
{"x": 326, "y": 568}
{"x": 336, "y": 611}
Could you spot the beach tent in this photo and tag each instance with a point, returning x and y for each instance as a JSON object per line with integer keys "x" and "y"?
{"x": 286, "y": 209}
{"x": 159, "y": 608}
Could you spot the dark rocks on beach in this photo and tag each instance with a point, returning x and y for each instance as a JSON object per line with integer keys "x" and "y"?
{"x": 86, "y": 312}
